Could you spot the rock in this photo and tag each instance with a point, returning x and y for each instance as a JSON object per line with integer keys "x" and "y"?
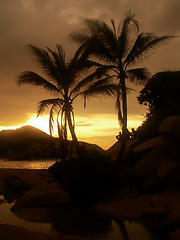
{"x": 169, "y": 172}
{"x": 149, "y": 144}
{"x": 173, "y": 219}
{"x": 157, "y": 214}
{"x": 36, "y": 214}
{"x": 156, "y": 201}
{"x": 12, "y": 232}
{"x": 151, "y": 185}
{"x": 113, "y": 151}
{"x": 16, "y": 184}
{"x": 150, "y": 163}
{"x": 175, "y": 235}
{"x": 170, "y": 125}
{"x": 165, "y": 169}
{"x": 42, "y": 196}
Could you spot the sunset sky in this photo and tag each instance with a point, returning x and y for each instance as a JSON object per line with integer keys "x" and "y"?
{"x": 48, "y": 22}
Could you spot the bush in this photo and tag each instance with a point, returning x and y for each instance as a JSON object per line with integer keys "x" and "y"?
{"x": 87, "y": 179}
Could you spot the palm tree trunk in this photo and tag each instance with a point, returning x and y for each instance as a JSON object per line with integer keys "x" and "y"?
{"x": 71, "y": 128}
{"x": 124, "y": 107}
{"x": 124, "y": 135}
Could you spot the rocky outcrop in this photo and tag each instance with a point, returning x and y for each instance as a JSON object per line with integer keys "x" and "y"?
{"x": 42, "y": 196}
{"x": 170, "y": 125}
{"x": 12, "y": 232}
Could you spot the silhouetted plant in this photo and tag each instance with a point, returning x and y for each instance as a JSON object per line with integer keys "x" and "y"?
{"x": 67, "y": 80}
{"x": 161, "y": 95}
{"x": 119, "y": 48}
{"x": 88, "y": 178}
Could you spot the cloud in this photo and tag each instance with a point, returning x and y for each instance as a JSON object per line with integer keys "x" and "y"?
{"x": 83, "y": 124}
{"x": 45, "y": 23}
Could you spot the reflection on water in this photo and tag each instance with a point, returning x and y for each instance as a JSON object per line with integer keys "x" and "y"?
{"x": 33, "y": 164}
{"x": 75, "y": 222}
{"x": 7, "y": 217}
{"x": 68, "y": 222}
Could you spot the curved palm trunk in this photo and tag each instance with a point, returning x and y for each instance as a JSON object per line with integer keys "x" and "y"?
{"x": 124, "y": 136}
{"x": 71, "y": 128}
{"x": 124, "y": 107}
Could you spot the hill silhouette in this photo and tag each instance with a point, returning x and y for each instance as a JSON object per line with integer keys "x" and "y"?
{"x": 27, "y": 142}
{"x": 23, "y": 141}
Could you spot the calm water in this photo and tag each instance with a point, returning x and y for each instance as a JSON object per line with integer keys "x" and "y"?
{"x": 134, "y": 230}
{"x": 33, "y": 164}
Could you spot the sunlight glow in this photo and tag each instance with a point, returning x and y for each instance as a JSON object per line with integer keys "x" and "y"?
{"x": 100, "y": 129}
{"x": 41, "y": 122}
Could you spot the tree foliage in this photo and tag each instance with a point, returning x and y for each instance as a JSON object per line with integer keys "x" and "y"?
{"x": 67, "y": 80}
{"x": 119, "y": 48}
{"x": 161, "y": 95}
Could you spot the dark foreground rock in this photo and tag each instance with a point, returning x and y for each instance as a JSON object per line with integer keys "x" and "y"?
{"x": 12, "y": 232}
{"x": 42, "y": 196}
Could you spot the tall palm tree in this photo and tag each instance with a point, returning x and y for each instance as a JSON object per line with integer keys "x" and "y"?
{"x": 67, "y": 80}
{"x": 119, "y": 48}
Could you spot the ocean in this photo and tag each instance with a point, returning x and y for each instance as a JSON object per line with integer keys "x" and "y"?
{"x": 33, "y": 164}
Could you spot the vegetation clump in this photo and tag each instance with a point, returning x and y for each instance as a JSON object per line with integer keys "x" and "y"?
{"x": 161, "y": 95}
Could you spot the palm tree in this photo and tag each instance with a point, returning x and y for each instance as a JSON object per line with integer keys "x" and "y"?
{"x": 68, "y": 81}
{"x": 119, "y": 48}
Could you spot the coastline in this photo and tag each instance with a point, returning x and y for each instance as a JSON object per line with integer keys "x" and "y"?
{"x": 154, "y": 211}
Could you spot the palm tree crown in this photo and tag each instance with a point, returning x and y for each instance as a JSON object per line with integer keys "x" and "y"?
{"x": 65, "y": 79}
{"x": 119, "y": 48}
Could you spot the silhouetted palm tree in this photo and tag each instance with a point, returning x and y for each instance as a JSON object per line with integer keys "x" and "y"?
{"x": 119, "y": 48}
{"x": 67, "y": 81}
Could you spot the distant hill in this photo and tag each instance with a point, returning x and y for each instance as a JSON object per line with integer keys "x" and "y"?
{"x": 23, "y": 141}
{"x": 29, "y": 143}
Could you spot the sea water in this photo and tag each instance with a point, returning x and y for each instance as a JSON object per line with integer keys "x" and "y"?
{"x": 32, "y": 164}
{"x": 134, "y": 229}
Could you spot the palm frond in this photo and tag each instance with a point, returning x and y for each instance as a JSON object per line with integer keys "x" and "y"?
{"x": 98, "y": 38}
{"x": 81, "y": 37}
{"x": 145, "y": 43}
{"x": 114, "y": 27}
{"x": 61, "y": 53}
{"x": 99, "y": 73}
{"x": 138, "y": 75}
{"x": 45, "y": 61}
{"x": 106, "y": 90}
{"x": 124, "y": 38}
{"x": 33, "y": 78}
{"x": 45, "y": 103}
{"x": 59, "y": 62}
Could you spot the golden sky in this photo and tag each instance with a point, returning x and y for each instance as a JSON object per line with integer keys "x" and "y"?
{"x": 46, "y": 23}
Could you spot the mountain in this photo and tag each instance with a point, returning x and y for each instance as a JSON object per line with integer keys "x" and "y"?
{"x": 24, "y": 142}
{"x": 28, "y": 143}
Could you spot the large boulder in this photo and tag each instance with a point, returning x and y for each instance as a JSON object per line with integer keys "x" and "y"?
{"x": 156, "y": 214}
{"x": 149, "y": 144}
{"x": 169, "y": 172}
{"x": 148, "y": 165}
{"x": 42, "y": 196}
{"x": 152, "y": 185}
{"x": 12, "y": 232}
{"x": 113, "y": 151}
{"x": 173, "y": 219}
{"x": 16, "y": 184}
{"x": 175, "y": 235}
{"x": 170, "y": 125}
